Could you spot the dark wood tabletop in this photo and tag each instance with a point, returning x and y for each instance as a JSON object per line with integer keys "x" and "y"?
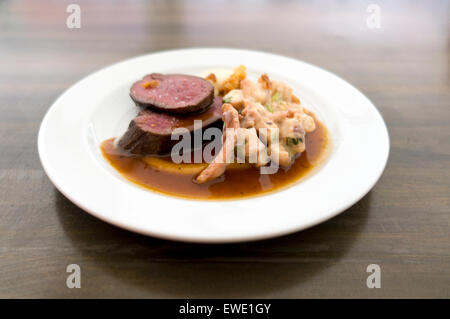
{"x": 402, "y": 224}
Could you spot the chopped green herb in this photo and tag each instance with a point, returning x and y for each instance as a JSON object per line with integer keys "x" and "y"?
{"x": 269, "y": 107}
{"x": 226, "y": 100}
{"x": 293, "y": 140}
{"x": 276, "y": 96}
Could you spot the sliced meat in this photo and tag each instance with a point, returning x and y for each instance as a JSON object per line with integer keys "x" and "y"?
{"x": 174, "y": 93}
{"x": 150, "y": 132}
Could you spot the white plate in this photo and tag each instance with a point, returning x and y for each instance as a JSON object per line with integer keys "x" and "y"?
{"x": 98, "y": 107}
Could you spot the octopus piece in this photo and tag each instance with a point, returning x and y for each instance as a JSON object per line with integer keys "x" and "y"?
{"x": 253, "y": 92}
{"x": 250, "y": 148}
{"x": 285, "y": 92}
{"x": 218, "y": 166}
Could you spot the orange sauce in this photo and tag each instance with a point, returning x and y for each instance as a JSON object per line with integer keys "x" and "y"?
{"x": 233, "y": 185}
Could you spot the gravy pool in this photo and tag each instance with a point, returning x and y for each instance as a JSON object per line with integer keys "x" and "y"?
{"x": 236, "y": 183}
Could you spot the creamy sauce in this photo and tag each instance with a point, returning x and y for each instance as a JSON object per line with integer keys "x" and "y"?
{"x": 236, "y": 183}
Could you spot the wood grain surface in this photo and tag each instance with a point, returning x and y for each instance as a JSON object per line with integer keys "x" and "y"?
{"x": 402, "y": 224}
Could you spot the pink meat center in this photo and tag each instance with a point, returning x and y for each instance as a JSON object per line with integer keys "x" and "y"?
{"x": 178, "y": 92}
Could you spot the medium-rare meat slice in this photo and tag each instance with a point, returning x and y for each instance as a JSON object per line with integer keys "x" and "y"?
{"x": 173, "y": 93}
{"x": 150, "y": 132}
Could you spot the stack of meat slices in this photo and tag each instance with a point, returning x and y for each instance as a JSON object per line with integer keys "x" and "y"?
{"x": 168, "y": 102}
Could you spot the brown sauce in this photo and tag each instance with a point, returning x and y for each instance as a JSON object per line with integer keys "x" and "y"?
{"x": 234, "y": 184}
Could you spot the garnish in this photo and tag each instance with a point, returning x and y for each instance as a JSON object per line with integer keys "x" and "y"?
{"x": 152, "y": 83}
{"x": 295, "y": 99}
{"x": 227, "y": 99}
{"x": 145, "y": 85}
{"x": 276, "y": 96}
{"x": 294, "y": 140}
{"x": 269, "y": 107}
{"x": 211, "y": 77}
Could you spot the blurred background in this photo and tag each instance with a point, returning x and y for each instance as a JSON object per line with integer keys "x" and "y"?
{"x": 402, "y": 224}
{"x": 332, "y": 34}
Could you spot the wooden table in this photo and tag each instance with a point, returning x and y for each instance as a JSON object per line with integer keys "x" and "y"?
{"x": 401, "y": 225}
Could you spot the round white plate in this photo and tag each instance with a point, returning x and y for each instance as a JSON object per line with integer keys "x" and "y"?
{"x": 98, "y": 107}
